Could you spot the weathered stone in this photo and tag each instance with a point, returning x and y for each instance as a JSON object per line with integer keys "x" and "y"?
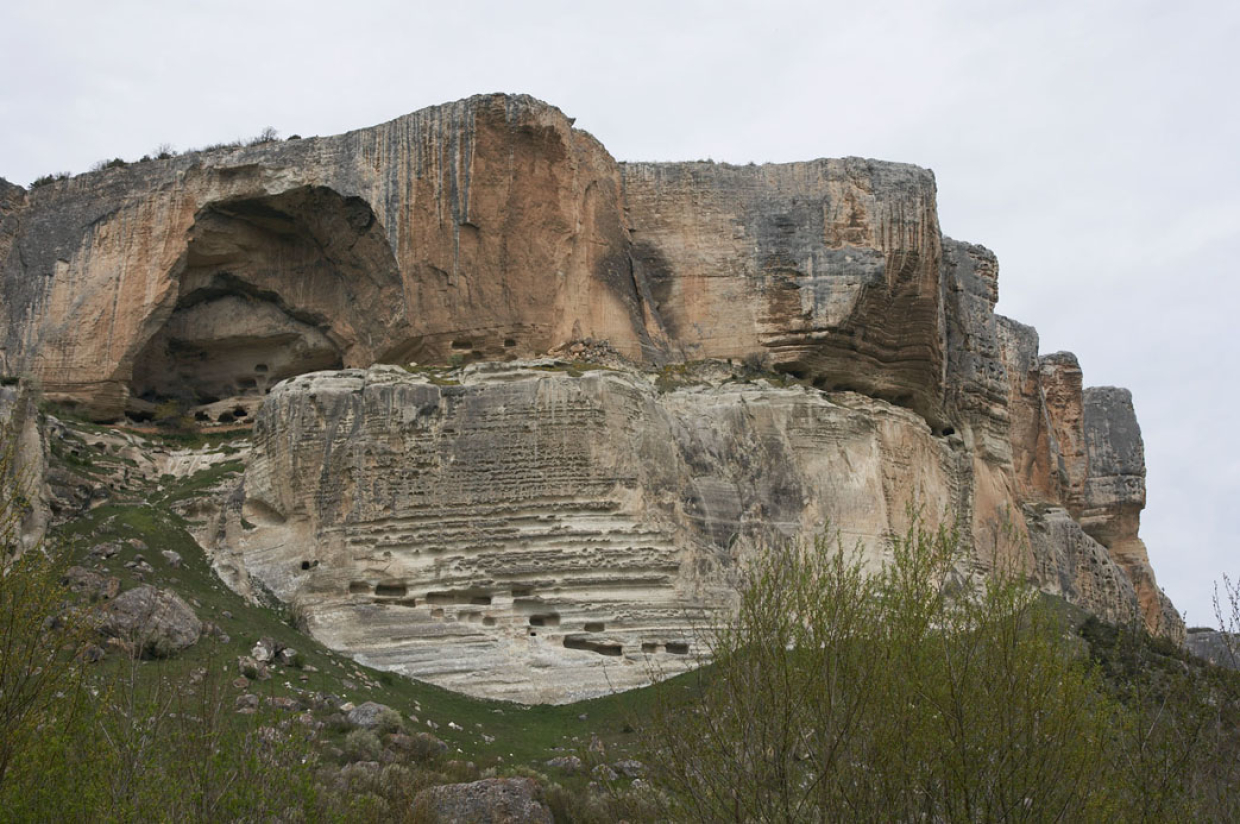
{"x": 172, "y": 557}
{"x": 1114, "y": 496}
{"x": 602, "y": 772}
{"x": 93, "y": 585}
{"x": 157, "y": 621}
{"x": 630, "y": 768}
{"x": 539, "y": 531}
{"x": 372, "y": 714}
{"x": 565, "y": 763}
{"x": 472, "y": 522}
{"x": 1219, "y": 648}
{"x": 23, "y": 456}
{"x": 265, "y": 650}
{"x": 91, "y": 653}
{"x": 528, "y": 534}
{"x": 251, "y": 668}
{"x": 480, "y": 229}
{"x": 490, "y": 801}
{"x": 813, "y": 268}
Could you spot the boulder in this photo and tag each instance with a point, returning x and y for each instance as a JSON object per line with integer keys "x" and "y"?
{"x": 489, "y": 801}
{"x": 94, "y": 586}
{"x": 157, "y": 621}
{"x": 565, "y": 763}
{"x": 371, "y": 714}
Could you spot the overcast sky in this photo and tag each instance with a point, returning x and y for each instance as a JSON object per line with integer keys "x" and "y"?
{"x": 1091, "y": 144}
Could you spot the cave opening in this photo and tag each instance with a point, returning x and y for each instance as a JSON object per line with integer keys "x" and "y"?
{"x": 270, "y": 287}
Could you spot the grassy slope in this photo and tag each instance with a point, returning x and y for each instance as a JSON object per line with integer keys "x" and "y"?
{"x": 144, "y": 513}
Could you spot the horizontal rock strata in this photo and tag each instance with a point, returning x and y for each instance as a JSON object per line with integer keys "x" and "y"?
{"x": 789, "y": 343}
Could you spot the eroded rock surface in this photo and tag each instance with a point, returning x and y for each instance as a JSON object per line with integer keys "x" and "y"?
{"x": 785, "y": 345}
{"x": 481, "y": 229}
{"x": 515, "y": 800}
{"x": 157, "y": 622}
{"x": 542, "y": 534}
{"x": 23, "y": 471}
{"x": 827, "y": 269}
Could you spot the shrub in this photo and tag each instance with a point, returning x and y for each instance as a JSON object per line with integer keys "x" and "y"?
{"x": 839, "y": 695}
{"x": 362, "y": 745}
{"x": 267, "y": 135}
{"x": 44, "y": 180}
{"x": 114, "y": 163}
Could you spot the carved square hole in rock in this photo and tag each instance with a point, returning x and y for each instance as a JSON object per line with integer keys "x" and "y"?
{"x": 358, "y": 587}
{"x": 394, "y": 589}
{"x": 678, "y": 649}
{"x": 595, "y": 626}
{"x": 649, "y": 648}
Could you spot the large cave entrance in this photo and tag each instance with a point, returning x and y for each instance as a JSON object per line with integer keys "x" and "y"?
{"x": 271, "y": 287}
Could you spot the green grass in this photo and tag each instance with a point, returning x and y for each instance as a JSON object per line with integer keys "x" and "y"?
{"x": 522, "y": 735}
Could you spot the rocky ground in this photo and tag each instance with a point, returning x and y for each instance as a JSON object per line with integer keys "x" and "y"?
{"x": 129, "y": 503}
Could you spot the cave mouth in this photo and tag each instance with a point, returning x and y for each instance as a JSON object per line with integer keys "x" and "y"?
{"x": 270, "y": 288}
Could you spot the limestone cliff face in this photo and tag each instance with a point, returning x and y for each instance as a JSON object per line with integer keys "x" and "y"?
{"x": 483, "y": 228}
{"x": 537, "y": 534}
{"x": 787, "y": 344}
{"x": 25, "y": 512}
{"x": 827, "y": 270}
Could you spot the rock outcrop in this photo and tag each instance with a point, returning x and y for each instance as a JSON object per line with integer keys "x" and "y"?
{"x": 486, "y": 801}
{"x": 785, "y": 345}
{"x": 539, "y": 534}
{"x": 24, "y": 508}
{"x": 479, "y": 229}
{"x": 156, "y": 622}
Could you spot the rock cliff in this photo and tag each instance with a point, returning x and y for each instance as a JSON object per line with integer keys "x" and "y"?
{"x": 742, "y": 354}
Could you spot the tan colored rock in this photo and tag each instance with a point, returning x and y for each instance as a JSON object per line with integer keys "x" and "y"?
{"x": 538, "y": 533}
{"x": 484, "y": 228}
{"x": 23, "y": 471}
{"x": 1033, "y": 446}
{"x": 1064, "y": 398}
{"x": 827, "y": 269}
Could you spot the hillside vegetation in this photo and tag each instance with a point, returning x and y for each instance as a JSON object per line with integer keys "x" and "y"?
{"x": 911, "y": 695}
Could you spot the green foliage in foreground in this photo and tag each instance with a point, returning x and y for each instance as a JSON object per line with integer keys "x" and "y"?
{"x": 842, "y": 696}
{"x": 911, "y": 694}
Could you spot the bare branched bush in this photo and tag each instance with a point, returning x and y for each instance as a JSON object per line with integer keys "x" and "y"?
{"x": 838, "y": 695}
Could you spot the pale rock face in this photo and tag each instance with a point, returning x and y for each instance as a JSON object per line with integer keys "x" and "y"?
{"x": 23, "y": 469}
{"x": 815, "y": 268}
{"x": 485, "y": 228}
{"x": 538, "y": 536}
{"x": 1115, "y": 495}
{"x": 543, "y": 535}
{"x": 535, "y": 533}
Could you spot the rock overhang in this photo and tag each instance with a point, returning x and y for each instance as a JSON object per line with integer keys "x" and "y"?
{"x": 491, "y": 230}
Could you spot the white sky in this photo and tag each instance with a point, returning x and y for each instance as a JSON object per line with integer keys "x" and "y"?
{"x": 1091, "y": 144}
